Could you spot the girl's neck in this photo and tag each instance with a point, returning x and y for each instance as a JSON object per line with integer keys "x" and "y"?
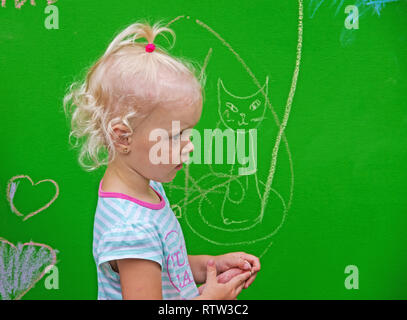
{"x": 131, "y": 183}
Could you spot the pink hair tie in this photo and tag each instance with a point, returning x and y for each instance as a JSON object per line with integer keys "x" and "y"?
{"x": 150, "y": 47}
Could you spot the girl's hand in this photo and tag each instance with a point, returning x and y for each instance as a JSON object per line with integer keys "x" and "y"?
{"x": 214, "y": 290}
{"x": 224, "y": 277}
{"x": 240, "y": 260}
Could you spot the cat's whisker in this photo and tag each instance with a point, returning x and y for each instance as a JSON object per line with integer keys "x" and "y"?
{"x": 258, "y": 119}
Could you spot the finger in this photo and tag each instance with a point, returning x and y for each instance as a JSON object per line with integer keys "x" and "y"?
{"x": 253, "y": 260}
{"x": 239, "y": 289}
{"x": 211, "y": 271}
{"x": 250, "y": 281}
{"x": 241, "y": 263}
{"x": 235, "y": 260}
{"x": 229, "y": 274}
{"x": 239, "y": 279}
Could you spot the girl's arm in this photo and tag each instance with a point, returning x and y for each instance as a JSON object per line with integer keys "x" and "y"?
{"x": 198, "y": 266}
{"x": 140, "y": 279}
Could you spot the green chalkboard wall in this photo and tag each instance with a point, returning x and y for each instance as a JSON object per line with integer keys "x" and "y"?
{"x": 331, "y": 180}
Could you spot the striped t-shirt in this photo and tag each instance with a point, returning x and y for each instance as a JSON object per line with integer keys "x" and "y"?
{"x": 126, "y": 227}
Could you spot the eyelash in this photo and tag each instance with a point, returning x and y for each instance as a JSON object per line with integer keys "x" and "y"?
{"x": 178, "y": 134}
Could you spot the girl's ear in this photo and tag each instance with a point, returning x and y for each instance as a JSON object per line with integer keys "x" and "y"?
{"x": 121, "y": 135}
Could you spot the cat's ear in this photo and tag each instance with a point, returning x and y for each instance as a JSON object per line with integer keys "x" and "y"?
{"x": 220, "y": 83}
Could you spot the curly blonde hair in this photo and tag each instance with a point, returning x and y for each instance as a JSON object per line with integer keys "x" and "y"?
{"x": 125, "y": 84}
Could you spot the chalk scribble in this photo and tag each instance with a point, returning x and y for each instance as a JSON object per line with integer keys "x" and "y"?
{"x": 19, "y": 3}
{"x": 374, "y": 6}
{"x": 22, "y": 266}
{"x": 364, "y": 6}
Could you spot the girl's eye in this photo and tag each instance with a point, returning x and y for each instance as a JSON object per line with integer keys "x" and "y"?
{"x": 176, "y": 136}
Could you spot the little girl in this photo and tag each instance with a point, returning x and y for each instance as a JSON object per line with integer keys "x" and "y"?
{"x": 138, "y": 244}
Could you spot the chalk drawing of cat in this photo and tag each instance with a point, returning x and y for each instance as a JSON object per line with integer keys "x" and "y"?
{"x": 241, "y": 113}
{"x": 230, "y": 187}
{"x": 199, "y": 193}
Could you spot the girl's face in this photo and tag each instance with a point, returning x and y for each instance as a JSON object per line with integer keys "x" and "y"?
{"x": 171, "y": 123}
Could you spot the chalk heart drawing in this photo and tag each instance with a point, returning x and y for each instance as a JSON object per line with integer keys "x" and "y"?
{"x": 210, "y": 196}
{"x": 12, "y": 188}
{"x": 22, "y": 266}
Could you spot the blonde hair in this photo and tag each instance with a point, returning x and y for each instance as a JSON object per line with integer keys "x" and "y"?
{"x": 127, "y": 83}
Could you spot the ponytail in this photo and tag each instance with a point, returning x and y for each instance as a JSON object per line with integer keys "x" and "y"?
{"x": 137, "y": 31}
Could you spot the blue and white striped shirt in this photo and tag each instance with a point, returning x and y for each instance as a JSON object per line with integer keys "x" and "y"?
{"x": 126, "y": 227}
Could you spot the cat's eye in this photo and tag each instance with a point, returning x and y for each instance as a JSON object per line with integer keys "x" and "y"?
{"x": 255, "y": 104}
{"x": 231, "y": 106}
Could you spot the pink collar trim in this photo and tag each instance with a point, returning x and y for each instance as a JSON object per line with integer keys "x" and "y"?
{"x": 154, "y": 206}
